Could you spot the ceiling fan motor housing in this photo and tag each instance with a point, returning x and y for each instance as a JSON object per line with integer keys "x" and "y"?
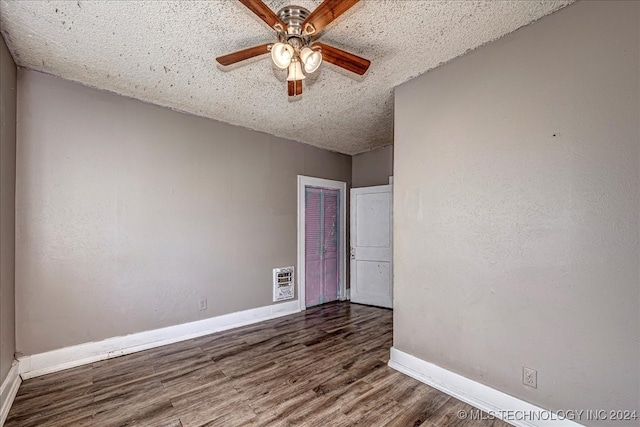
{"x": 293, "y": 16}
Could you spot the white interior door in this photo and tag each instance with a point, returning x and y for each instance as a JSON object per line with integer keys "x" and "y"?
{"x": 371, "y": 245}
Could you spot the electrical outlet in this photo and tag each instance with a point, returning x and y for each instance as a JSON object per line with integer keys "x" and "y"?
{"x": 530, "y": 377}
{"x": 203, "y": 304}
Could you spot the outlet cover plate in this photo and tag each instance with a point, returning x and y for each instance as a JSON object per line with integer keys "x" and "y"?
{"x": 203, "y": 304}
{"x": 529, "y": 377}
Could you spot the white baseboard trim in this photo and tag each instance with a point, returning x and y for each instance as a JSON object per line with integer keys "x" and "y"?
{"x": 495, "y": 403}
{"x": 82, "y": 354}
{"x": 8, "y": 391}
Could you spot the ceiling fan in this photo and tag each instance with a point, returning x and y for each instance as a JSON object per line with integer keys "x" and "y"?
{"x": 296, "y": 49}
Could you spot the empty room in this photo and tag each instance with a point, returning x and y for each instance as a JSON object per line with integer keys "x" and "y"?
{"x": 319, "y": 213}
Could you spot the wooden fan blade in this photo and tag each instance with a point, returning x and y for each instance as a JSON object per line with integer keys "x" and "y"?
{"x": 294, "y": 87}
{"x": 265, "y": 13}
{"x": 325, "y": 14}
{"x": 241, "y": 55}
{"x": 343, "y": 59}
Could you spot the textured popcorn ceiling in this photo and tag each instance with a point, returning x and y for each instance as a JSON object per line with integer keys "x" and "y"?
{"x": 164, "y": 52}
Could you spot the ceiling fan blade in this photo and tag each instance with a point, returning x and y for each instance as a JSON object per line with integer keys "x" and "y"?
{"x": 294, "y": 87}
{"x": 343, "y": 59}
{"x": 265, "y": 13}
{"x": 241, "y": 55}
{"x": 325, "y": 14}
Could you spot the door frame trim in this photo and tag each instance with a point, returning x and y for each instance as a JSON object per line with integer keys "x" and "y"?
{"x": 304, "y": 181}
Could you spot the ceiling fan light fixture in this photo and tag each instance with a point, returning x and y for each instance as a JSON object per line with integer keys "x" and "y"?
{"x": 295, "y": 71}
{"x": 282, "y": 54}
{"x": 297, "y": 49}
{"x": 311, "y": 59}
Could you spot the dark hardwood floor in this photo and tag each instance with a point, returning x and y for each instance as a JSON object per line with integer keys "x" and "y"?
{"x": 326, "y": 367}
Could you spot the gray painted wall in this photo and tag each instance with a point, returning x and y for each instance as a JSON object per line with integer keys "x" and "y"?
{"x": 129, "y": 213}
{"x": 7, "y": 208}
{"x": 373, "y": 167}
{"x": 517, "y": 211}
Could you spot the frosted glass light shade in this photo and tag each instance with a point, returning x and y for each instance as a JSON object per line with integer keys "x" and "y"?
{"x": 295, "y": 71}
{"x": 311, "y": 59}
{"x": 281, "y": 54}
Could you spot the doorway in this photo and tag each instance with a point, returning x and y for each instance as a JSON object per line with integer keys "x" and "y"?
{"x": 321, "y": 241}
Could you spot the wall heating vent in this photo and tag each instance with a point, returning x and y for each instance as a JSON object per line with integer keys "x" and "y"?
{"x": 282, "y": 283}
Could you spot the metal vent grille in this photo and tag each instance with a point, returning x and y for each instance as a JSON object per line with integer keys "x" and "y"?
{"x": 282, "y": 283}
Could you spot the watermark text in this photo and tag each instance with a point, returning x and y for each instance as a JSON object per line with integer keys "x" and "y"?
{"x": 543, "y": 415}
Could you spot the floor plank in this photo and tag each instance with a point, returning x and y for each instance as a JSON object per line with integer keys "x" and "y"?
{"x": 325, "y": 366}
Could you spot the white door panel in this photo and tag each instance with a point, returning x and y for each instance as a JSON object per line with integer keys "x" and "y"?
{"x": 371, "y": 246}
{"x": 372, "y": 218}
